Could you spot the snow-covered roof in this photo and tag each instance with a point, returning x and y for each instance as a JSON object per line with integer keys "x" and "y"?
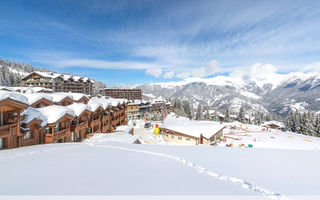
{"x": 102, "y": 101}
{"x": 33, "y": 113}
{"x": 193, "y": 128}
{"x": 78, "y": 96}
{"x": 93, "y": 106}
{"x": 268, "y": 123}
{"x": 13, "y": 96}
{"x": 58, "y": 96}
{"x": 34, "y": 97}
{"x": 27, "y": 89}
{"x": 78, "y": 108}
{"x": 54, "y": 113}
{"x": 53, "y": 75}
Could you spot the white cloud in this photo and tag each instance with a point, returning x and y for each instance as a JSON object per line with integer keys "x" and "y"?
{"x": 314, "y": 67}
{"x": 210, "y": 69}
{"x": 183, "y": 75}
{"x": 169, "y": 74}
{"x": 156, "y": 72}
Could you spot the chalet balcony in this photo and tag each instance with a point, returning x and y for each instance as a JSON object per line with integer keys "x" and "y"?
{"x": 96, "y": 122}
{"x": 61, "y": 133}
{"x": 7, "y": 130}
{"x": 82, "y": 125}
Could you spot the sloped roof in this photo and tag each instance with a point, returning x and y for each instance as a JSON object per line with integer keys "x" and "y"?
{"x": 13, "y": 96}
{"x": 54, "y": 113}
{"x": 190, "y": 127}
{"x": 79, "y": 108}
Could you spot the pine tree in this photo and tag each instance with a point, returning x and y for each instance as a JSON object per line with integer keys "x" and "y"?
{"x": 199, "y": 114}
{"x": 187, "y": 109}
{"x": 241, "y": 115}
{"x": 227, "y": 115}
{"x": 317, "y": 126}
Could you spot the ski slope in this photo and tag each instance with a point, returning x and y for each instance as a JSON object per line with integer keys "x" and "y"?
{"x": 99, "y": 166}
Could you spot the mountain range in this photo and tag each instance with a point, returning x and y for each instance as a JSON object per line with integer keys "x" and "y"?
{"x": 276, "y": 93}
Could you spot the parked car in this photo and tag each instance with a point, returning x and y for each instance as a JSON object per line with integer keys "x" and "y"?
{"x": 147, "y": 125}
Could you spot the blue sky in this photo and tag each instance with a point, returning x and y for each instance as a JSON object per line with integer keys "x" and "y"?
{"x": 133, "y": 42}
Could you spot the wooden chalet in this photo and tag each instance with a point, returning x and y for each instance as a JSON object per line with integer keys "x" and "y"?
{"x": 59, "y": 120}
{"x": 80, "y": 124}
{"x": 11, "y": 106}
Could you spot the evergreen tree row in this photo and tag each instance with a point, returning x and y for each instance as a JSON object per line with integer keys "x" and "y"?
{"x": 307, "y": 123}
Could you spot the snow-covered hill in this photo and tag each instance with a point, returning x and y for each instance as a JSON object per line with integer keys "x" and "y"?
{"x": 277, "y": 93}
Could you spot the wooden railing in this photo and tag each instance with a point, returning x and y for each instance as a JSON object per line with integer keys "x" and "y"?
{"x": 61, "y": 133}
{"x": 96, "y": 122}
{"x": 82, "y": 125}
{"x": 9, "y": 129}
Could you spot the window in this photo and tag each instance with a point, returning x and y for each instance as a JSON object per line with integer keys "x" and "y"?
{"x": 2, "y": 119}
{"x": 188, "y": 139}
{"x": 172, "y": 136}
{"x": 47, "y": 130}
{"x": 56, "y": 129}
{"x": 1, "y": 143}
{"x": 179, "y": 138}
{"x": 72, "y": 136}
{"x": 27, "y": 135}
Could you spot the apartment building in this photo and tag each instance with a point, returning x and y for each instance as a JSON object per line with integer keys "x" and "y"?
{"x": 130, "y": 94}
{"x": 59, "y": 82}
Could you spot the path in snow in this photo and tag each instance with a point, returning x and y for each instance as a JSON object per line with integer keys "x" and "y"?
{"x": 244, "y": 184}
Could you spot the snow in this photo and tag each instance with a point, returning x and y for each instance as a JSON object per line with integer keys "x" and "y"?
{"x": 149, "y": 95}
{"x": 192, "y": 128}
{"x": 78, "y": 96}
{"x": 280, "y": 124}
{"x": 54, "y": 113}
{"x": 34, "y": 97}
{"x": 13, "y": 96}
{"x": 120, "y": 137}
{"x": 246, "y": 134}
{"x": 93, "y": 106}
{"x": 111, "y": 165}
{"x": 31, "y": 114}
{"x": 26, "y": 89}
{"x": 78, "y": 108}
{"x": 53, "y": 75}
{"x": 249, "y": 94}
{"x": 58, "y": 96}
{"x": 104, "y": 103}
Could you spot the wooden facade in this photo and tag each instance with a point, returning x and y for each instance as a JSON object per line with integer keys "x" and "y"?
{"x": 68, "y": 128}
{"x": 10, "y": 115}
{"x": 83, "y": 99}
{"x": 41, "y": 103}
{"x": 33, "y": 133}
{"x": 60, "y": 131}
{"x": 65, "y": 101}
{"x": 80, "y": 126}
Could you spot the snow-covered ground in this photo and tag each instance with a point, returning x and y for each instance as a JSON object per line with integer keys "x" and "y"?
{"x": 109, "y": 164}
{"x": 259, "y": 137}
